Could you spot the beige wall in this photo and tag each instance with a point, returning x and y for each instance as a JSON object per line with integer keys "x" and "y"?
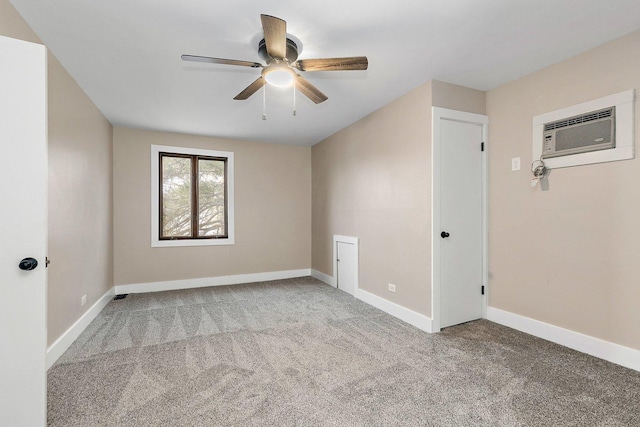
{"x": 80, "y": 203}
{"x": 569, "y": 256}
{"x": 454, "y": 97}
{"x": 372, "y": 180}
{"x": 272, "y": 211}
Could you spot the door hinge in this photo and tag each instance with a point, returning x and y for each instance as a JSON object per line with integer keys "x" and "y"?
{"x": 47, "y": 261}
{"x": 482, "y": 146}
{"x": 482, "y": 289}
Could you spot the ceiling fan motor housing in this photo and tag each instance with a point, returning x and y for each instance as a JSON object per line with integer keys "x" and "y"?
{"x": 292, "y": 51}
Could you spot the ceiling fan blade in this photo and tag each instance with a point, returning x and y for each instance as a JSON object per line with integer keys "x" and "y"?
{"x": 222, "y": 61}
{"x": 333, "y": 64}
{"x": 275, "y": 36}
{"x": 251, "y": 89}
{"x": 309, "y": 90}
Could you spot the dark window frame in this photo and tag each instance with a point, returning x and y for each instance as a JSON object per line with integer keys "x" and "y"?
{"x": 195, "y": 217}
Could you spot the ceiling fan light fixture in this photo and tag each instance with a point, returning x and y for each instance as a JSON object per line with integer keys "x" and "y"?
{"x": 279, "y": 77}
{"x": 281, "y": 56}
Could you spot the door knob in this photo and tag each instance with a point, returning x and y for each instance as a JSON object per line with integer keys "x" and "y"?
{"x": 444, "y": 234}
{"x": 28, "y": 264}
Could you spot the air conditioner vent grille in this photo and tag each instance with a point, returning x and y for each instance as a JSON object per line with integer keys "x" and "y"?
{"x": 583, "y": 118}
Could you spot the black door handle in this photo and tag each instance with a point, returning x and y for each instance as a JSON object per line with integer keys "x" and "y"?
{"x": 444, "y": 234}
{"x": 28, "y": 264}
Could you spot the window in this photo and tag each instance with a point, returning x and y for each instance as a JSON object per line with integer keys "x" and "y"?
{"x": 192, "y": 197}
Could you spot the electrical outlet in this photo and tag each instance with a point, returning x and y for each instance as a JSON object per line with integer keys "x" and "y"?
{"x": 392, "y": 288}
{"x": 83, "y": 301}
{"x": 515, "y": 164}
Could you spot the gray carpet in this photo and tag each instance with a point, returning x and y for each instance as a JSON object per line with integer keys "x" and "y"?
{"x": 300, "y": 353}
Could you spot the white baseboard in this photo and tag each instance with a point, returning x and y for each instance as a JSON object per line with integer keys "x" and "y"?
{"x": 418, "y": 320}
{"x": 411, "y": 317}
{"x": 172, "y": 285}
{"x": 323, "y": 277}
{"x": 615, "y": 353}
{"x": 61, "y": 345}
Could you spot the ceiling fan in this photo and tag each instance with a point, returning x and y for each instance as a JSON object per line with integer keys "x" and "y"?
{"x": 281, "y": 56}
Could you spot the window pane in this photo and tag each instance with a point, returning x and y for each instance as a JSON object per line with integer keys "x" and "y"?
{"x": 211, "y": 220}
{"x": 176, "y": 197}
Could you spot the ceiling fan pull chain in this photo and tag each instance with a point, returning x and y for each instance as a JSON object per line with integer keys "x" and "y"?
{"x": 264, "y": 103}
{"x": 294, "y": 97}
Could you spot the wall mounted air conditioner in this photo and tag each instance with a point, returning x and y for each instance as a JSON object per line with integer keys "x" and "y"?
{"x": 593, "y": 132}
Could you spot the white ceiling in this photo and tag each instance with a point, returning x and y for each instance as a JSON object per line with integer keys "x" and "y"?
{"x": 125, "y": 54}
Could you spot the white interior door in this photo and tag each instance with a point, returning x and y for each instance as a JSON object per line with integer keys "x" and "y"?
{"x": 460, "y": 235}
{"x": 346, "y": 264}
{"x": 23, "y": 227}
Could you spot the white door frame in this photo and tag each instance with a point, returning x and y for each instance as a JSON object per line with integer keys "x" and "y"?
{"x": 351, "y": 240}
{"x": 459, "y": 116}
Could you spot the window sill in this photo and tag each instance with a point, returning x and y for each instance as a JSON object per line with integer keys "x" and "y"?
{"x": 156, "y": 243}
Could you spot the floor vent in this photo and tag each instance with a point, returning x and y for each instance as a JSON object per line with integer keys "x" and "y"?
{"x": 121, "y": 296}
